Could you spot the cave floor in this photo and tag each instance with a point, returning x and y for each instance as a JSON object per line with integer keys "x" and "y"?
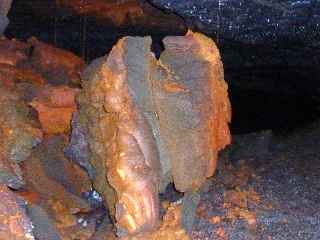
{"x": 266, "y": 187}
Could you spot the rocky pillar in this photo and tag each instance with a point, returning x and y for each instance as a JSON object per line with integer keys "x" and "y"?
{"x": 146, "y": 122}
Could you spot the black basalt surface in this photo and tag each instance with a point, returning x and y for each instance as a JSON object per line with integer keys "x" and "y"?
{"x": 251, "y": 21}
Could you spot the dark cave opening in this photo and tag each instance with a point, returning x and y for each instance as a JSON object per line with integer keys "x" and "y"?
{"x": 262, "y": 97}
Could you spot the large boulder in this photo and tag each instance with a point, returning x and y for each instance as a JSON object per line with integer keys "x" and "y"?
{"x": 145, "y": 122}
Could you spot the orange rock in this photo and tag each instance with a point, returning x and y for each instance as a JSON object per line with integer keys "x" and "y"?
{"x": 10, "y": 75}
{"x": 55, "y": 106}
{"x": 220, "y": 232}
{"x": 215, "y": 220}
{"x": 170, "y": 229}
{"x": 29, "y": 196}
{"x": 53, "y": 120}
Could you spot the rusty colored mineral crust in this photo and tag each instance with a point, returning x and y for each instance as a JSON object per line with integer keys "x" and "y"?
{"x": 14, "y": 223}
{"x": 55, "y": 105}
{"x": 149, "y": 122}
{"x": 18, "y": 137}
{"x": 170, "y": 229}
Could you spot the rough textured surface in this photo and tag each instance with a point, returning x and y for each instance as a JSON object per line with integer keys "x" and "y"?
{"x": 14, "y": 223}
{"x": 78, "y": 148}
{"x": 18, "y": 137}
{"x": 154, "y": 120}
{"x": 55, "y": 105}
{"x": 11, "y": 76}
{"x": 118, "y": 130}
{"x": 170, "y": 229}
{"x": 43, "y": 226}
{"x": 57, "y": 65}
{"x": 193, "y": 108}
{"x": 251, "y": 21}
{"x": 60, "y": 188}
{"x": 54, "y": 189}
{"x": 274, "y": 197}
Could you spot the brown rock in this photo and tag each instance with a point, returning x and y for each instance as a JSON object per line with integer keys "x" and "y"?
{"x": 191, "y": 101}
{"x": 55, "y": 105}
{"x": 44, "y": 174}
{"x": 11, "y": 75}
{"x": 58, "y": 66}
{"x": 149, "y": 120}
{"x": 14, "y": 223}
{"x": 18, "y": 136}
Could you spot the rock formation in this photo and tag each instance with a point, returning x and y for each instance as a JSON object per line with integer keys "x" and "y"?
{"x": 4, "y": 9}
{"x": 144, "y": 123}
{"x": 14, "y": 222}
{"x": 18, "y": 136}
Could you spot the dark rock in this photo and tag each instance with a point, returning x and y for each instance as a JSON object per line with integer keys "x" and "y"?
{"x": 44, "y": 227}
{"x": 78, "y": 148}
{"x": 190, "y": 203}
{"x": 251, "y": 21}
{"x": 119, "y": 14}
{"x": 54, "y": 188}
{"x": 62, "y": 170}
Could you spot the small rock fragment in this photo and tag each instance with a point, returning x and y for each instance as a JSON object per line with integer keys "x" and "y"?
{"x": 55, "y": 105}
